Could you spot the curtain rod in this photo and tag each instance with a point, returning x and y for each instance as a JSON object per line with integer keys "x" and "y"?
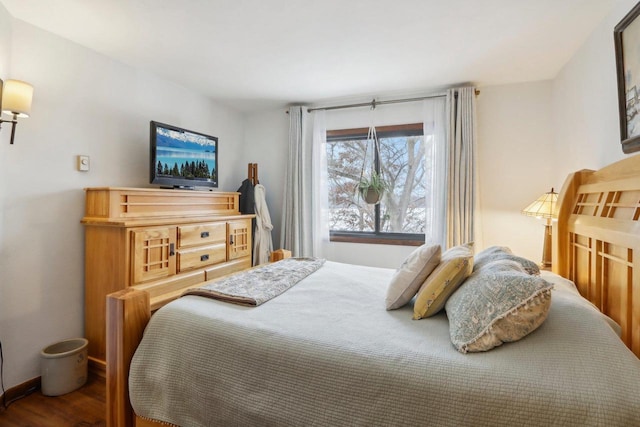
{"x": 373, "y": 103}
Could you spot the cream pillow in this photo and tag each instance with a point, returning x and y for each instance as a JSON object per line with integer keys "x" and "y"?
{"x": 407, "y": 280}
{"x": 455, "y": 265}
{"x": 499, "y": 303}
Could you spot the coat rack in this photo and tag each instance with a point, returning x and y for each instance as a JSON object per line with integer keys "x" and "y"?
{"x": 253, "y": 173}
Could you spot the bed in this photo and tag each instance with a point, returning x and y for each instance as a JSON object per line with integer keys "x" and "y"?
{"x": 298, "y": 360}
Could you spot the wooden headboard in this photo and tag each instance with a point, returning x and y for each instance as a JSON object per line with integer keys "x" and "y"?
{"x": 597, "y": 241}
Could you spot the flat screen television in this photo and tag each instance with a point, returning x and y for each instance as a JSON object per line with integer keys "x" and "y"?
{"x": 182, "y": 158}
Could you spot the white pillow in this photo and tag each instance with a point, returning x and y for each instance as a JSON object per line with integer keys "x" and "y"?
{"x": 409, "y": 277}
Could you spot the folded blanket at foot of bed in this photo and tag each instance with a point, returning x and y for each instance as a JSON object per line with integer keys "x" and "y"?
{"x": 258, "y": 285}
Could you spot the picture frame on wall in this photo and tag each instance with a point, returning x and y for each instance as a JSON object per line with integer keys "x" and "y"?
{"x": 627, "y": 47}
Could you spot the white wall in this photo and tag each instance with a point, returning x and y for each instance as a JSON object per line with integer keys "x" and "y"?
{"x": 5, "y": 45}
{"x": 585, "y": 102}
{"x": 515, "y": 163}
{"x": 267, "y": 143}
{"x": 547, "y": 130}
{"x": 5, "y": 41}
{"x": 84, "y": 103}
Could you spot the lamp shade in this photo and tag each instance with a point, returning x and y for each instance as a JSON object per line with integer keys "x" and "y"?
{"x": 16, "y": 98}
{"x": 544, "y": 206}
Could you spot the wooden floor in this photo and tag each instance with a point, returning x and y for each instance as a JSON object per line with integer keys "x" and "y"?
{"x": 81, "y": 408}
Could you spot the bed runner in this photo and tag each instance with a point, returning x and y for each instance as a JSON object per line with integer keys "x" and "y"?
{"x": 258, "y": 285}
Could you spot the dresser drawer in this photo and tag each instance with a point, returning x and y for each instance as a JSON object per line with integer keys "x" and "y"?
{"x": 201, "y": 256}
{"x": 202, "y": 234}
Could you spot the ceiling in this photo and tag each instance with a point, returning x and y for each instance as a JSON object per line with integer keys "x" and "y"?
{"x": 255, "y": 54}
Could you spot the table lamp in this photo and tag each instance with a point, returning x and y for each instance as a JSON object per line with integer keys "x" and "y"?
{"x": 544, "y": 207}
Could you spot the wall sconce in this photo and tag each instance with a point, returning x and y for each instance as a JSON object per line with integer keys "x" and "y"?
{"x": 544, "y": 207}
{"x": 15, "y": 100}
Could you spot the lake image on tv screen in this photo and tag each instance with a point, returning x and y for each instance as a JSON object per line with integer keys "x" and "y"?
{"x": 185, "y": 155}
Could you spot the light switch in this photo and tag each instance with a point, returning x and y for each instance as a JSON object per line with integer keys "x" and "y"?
{"x": 83, "y": 163}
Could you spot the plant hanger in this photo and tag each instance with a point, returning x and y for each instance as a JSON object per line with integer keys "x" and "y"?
{"x": 372, "y": 188}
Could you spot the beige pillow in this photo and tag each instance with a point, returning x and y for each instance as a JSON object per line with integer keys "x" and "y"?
{"x": 455, "y": 265}
{"x": 407, "y": 280}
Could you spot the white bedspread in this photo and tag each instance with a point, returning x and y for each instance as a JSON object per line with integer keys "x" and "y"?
{"x": 327, "y": 353}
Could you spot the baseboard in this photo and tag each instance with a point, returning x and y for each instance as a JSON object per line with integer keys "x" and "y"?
{"x": 97, "y": 367}
{"x": 20, "y": 390}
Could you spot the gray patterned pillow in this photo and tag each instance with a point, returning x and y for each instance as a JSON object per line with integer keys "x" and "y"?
{"x": 494, "y": 253}
{"x": 497, "y": 304}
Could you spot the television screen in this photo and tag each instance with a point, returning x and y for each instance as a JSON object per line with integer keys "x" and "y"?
{"x": 182, "y": 158}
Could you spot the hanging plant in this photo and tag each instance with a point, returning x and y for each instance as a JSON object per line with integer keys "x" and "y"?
{"x": 372, "y": 188}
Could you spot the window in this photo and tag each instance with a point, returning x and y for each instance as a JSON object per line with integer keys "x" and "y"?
{"x": 399, "y": 218}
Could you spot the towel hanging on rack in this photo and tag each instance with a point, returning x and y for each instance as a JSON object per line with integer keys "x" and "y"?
{"x": 262, "y": 240}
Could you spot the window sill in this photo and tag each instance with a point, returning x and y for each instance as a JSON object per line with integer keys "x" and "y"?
{"x": 376, "y": 239}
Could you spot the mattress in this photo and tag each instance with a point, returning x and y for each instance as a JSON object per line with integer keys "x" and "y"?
{"x": 327, "y": 353}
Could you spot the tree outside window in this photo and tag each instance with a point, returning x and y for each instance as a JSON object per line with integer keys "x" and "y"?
{"x": 400, "y": 216}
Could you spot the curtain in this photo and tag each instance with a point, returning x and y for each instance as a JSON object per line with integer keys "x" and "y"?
{"x": 435, "y": 170}
{"x": 295, "y": 220}
{"x": 305, "y": 206}
{"x": 461, "y": 170}
{"x": 320, "y": 185}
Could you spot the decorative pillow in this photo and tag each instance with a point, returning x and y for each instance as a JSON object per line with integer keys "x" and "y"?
{"x": 456, "y": 264}
{"x": 407, "y": 280}
{"x": 494, "y": 253}
{"x": 496, "y": 304}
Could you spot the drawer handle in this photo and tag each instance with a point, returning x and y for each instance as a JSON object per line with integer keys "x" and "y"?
{"x": 231, "y": 240}
{"x": 204, "y": 234}
{"x": 204, "y": 257}
{"x": 172, "y": 250}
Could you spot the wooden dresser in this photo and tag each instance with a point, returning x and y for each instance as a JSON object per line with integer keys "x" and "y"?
{"x": 161, "y": 241}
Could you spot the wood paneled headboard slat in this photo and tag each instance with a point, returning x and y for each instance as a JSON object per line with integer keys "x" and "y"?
{"x": 597, "y": 241}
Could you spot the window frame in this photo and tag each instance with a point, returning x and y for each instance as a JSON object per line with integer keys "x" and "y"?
{"x": 376, "y": 236}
